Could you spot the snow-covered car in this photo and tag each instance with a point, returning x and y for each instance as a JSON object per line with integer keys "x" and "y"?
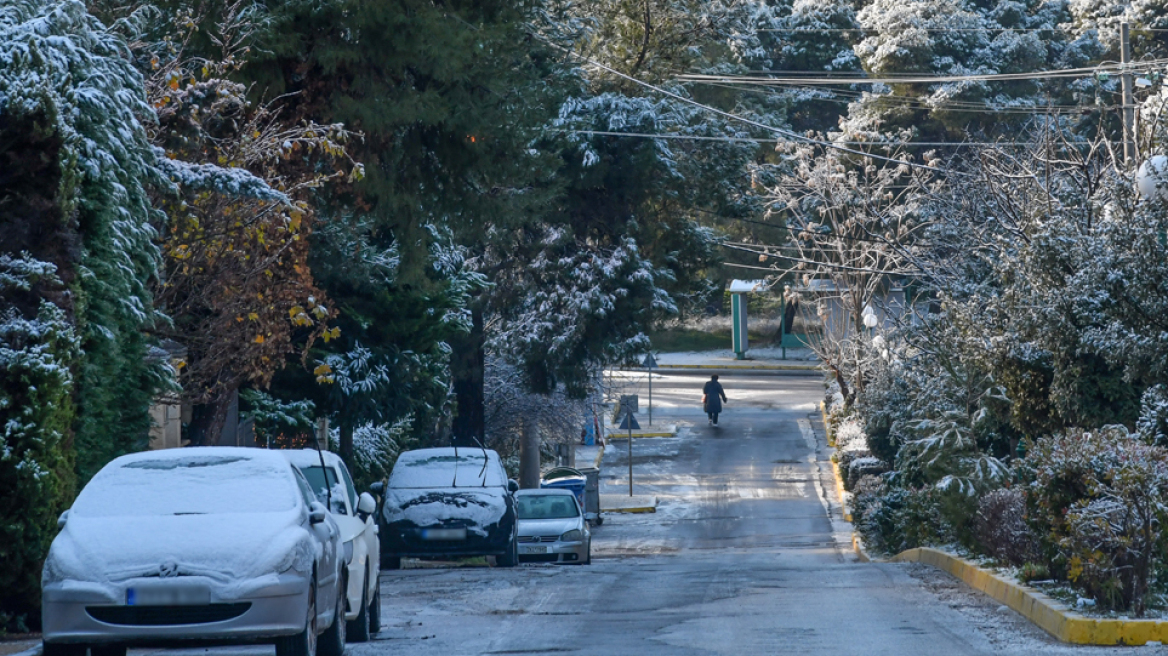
{"x": 552, "y": 527}
{"x": 200, "y": 545}
{"x": 449, "y": 502}
{"x": 354, "y": 514}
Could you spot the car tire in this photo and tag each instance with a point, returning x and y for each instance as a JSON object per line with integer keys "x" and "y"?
{"x": 332, "y": 641}
{"x": 58, "y": 649}
{"x": 588, "y": 554}
{"x": 358, "y": 629}
{"x": 107, "y": 650}
{"x": 510, "y": 558}
{"x": 303, "y": 643}
{"x": 375, "y": 610}
{"x": 390, "y": 562}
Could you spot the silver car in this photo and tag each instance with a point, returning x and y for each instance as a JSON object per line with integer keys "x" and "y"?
{"x": 188, "y": 546}
{"x": 552, "y": 527}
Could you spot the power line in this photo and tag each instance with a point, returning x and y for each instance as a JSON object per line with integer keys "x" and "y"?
{"x": 940, "y": 29}
{"x": 771, "y": 80}
{"x": 742, "y": 119}
{"x": 877, "y": 144}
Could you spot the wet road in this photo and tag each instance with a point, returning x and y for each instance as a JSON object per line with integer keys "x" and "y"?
{"x": 745, "y": 555}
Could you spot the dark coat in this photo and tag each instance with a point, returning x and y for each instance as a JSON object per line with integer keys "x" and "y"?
{"x": 714, "y": 396}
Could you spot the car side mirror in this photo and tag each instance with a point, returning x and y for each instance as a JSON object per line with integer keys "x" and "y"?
{"x": 316, "y": 513}
{"x": 512, "y": 486}
{"x": 378, "y": 488}
{"x": 366, "y": 505}
{"x": 62, "y": 519}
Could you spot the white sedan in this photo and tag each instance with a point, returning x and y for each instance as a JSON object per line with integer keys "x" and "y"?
{"x": 355, "y": 515}
{"x": 190, "y": 546}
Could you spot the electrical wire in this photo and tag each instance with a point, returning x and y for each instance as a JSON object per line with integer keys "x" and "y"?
{"x": 878, "y": 144}
{"x": 747, "y": 121}
{"x": 943, "y": 29}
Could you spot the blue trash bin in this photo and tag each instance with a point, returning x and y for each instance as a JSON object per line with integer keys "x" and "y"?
{"x": 566, "y": 478}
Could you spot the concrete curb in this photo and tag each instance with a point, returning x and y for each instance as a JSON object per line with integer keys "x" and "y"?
{"x": 1048, "y": 614}
{"x": 857, "y": 541}
{"x": 613, "y": 432}
{"x": 843, "y": 494}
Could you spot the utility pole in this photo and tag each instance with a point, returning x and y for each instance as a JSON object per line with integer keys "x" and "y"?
{"x": 1129, "y": 107}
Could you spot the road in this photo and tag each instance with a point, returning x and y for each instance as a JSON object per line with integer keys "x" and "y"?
{"x": 743, "y": 557}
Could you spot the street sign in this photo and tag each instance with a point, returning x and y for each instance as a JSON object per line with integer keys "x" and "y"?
{"x": 630, "y": 423}
{"x": 629, "y": 404}
{"x": 649, "y": 362}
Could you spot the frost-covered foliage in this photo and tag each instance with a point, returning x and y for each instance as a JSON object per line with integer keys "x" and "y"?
{"x": 376, "y": 447}
{"x": 61, "y": 68}
{"x": 38, "y": 354}
{"x": 954, "y": 37}
{"x": 1099, "y": 500}
{"x": 558, "y": 417}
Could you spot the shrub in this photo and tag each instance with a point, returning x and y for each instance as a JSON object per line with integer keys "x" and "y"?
{"x": 894, "y": 519}
{"x": 1099, "y": 498}
{"x": 1001, "y": 529}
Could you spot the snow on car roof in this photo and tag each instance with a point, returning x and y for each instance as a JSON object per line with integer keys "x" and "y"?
{"x": 447, "y": 467}
{"x": 549, "y": 491}
{"x": 190, "y": 481}
{"x": 310, "y": 457}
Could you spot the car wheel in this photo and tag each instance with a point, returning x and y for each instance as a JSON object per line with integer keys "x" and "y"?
{"x": 588, "y": 554}
{"x": 358, "y": 629}
{"x": 510, "y": 558}
{"x": 390, "y": 562}
{"x": 57, "y": 649}
{"x": 108, "y": 650}
{"x": 303, "y": 643}
{"x": 375, "y": 610}
{"x": 332, "y": 641}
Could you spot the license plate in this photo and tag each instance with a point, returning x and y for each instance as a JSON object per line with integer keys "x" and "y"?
{"x": 534, "y": 549}
{"x": 168, "y": 596}
{"x": 444, "y": 534}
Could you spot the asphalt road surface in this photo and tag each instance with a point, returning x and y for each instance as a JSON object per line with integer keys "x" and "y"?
{"x": 746, "y": 555}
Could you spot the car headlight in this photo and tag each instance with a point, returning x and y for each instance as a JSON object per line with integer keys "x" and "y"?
{"x": 573, "y": 535}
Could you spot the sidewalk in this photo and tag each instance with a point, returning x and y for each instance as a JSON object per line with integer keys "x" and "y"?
{"x": 761, "y": 359}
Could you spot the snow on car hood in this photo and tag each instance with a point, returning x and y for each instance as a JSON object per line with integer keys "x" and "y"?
{"x": 224, "y": 547}
{"x": 528, "y": 527}
{"x": 482, "y": 506}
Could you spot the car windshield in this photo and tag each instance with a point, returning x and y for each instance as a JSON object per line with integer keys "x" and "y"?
{"x": 445, "y": 470}
{"x": 191, "y": 485}
{"x": 316, "y": 475}
{"x": 546, "y": 506}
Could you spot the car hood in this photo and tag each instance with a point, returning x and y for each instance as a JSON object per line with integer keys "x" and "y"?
{"x": 224, "y": 547}
{"x": 470, "y": 506}
{"x": 529, "y": 527}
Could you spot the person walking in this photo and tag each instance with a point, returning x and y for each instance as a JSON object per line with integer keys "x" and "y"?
{"x": 712, "y": 398}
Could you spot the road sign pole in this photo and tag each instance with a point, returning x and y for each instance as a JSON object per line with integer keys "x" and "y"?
{"x": 630, "y": 454}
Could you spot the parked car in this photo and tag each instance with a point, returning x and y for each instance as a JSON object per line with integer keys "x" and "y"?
{"x": 552, "y": 527}
{"x": 449, "y": 502}
{"x": 188, "y": 546}
{"x": 354, "y": 514}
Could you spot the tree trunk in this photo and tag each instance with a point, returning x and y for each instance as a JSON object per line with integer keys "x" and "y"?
{"x": 529, "y": 454}
{"x": 208, "y": 418}
{"x": 345, "y": 448}
{"x": 468, "y": 367}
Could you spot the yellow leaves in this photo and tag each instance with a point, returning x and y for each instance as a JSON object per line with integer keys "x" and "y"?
{"x": 299, "y": 316}
{"x": 324, "y": 374}
{"x": 1074, "y": 568}
{"x": 295, "y": 217}
{"x": 253, "y": 316}
{"x": 259, "y": 339}
{"x": 331, "y": 334}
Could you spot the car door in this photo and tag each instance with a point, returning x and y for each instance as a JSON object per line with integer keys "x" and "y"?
{"x": 369, "y": 535}
{"x": 327, "y": 566}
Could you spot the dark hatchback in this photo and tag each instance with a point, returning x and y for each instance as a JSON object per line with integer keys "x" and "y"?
{"x": 449, "y": 502}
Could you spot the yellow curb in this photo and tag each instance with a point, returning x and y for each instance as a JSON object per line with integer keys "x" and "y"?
{"x": 616, "y": 433}
{"x": 839, "y": 488}
{"x": 646, "y": 509}
{"x": 1048, "y": 614}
